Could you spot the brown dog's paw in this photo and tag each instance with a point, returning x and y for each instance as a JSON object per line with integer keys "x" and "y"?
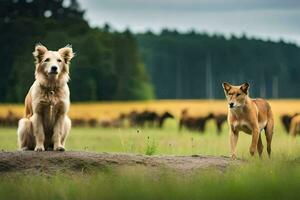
{"x": 252, "y": 151}
{"x": 59, "y": 149}
{"x": 233, "y": 157}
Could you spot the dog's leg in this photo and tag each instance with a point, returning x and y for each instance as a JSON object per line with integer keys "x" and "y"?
{"x": 57, "y": 133}
{"x": 255, "y": 137}
{"x": 38, "y": 132}
{"x": 269, "y": 134}
{"x": 66, "y": 130}
{"x": 260, "y": 146}
{"x": 25, "y": 135}
{"x": 234, "y": 135}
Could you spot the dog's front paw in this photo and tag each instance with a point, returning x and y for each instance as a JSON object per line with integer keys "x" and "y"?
{"x": 252, "y": 151}
{"x": 59, "y": 149}
{"x": 39, "y": 148}
{"x": 233, "y": 157}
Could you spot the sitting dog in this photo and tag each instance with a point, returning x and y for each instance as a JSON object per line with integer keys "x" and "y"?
{"x": 248, "y": 115}
{"x": 46, "y": 124}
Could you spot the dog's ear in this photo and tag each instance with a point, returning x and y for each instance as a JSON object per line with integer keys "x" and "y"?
{"x": 245, "y": 87}
{"x": 39, "y": 52}
{"x": 226, "y": 86}
{"x": 66, "y": 53}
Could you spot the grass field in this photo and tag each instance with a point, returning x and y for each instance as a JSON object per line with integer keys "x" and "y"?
{"x": 167, "y": 141}
{"x": 275, "y": 178}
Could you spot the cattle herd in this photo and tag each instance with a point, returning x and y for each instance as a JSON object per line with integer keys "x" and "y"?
{"x": 152, "y": 119}
{"x": 138, "y": 119}
{"x": 147, "y": 118}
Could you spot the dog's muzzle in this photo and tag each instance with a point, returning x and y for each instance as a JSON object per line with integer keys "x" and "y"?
{"x": 54, "y": 70}
{"x": 231, "y": 105}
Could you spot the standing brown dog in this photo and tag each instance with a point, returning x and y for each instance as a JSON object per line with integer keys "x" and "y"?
{"x": 248, "y": 115}
{"x": 46, "y": 124}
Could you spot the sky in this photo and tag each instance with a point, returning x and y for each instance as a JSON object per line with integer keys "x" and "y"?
{"x": 266, "y": 19}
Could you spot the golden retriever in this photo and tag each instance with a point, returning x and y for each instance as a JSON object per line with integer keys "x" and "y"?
{"x": 46, "y": 124}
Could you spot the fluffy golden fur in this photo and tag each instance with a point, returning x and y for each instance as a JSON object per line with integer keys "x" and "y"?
{"x": 46, "y": 124}
{"x": 248, "y": 115}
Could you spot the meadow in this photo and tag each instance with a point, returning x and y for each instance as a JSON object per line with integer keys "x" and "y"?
{"x": 275, "y": 178}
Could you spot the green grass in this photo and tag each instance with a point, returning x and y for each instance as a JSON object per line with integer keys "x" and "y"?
{"x": 253, "y": 181}
{"x": 275, "y": 178}
{"x": 166, "y": 141}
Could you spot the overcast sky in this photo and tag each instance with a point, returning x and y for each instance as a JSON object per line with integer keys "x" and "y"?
{"x": 273, "y": 19}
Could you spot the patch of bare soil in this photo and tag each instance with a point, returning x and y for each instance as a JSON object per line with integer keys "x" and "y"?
{"x": 74, "y": 161}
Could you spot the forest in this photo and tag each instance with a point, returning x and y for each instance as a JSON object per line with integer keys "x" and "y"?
{"x": 107, "y": 64}
{"x": 122, "y": 65}
{"x": 193, "y": 65}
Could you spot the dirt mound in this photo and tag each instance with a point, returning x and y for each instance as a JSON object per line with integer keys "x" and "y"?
{"x": 73, "y": 161}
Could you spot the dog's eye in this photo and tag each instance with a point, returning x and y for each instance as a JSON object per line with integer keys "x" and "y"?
{"x": 59, "y": 60}
{"x": 238, "y": 94}
{"x": 230, "y": 94}
{"x": 47, "y": 60}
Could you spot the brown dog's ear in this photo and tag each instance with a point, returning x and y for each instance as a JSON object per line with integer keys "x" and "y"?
{"x": 66, "y": 53}
{"x": 245, "y": 87}
{"x": 39, "y": 52}
{"x": 226, "y": 86}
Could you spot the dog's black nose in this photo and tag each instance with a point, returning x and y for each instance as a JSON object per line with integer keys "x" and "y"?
{"x": 53, "y": 69}
{"x": 231, "y": 105}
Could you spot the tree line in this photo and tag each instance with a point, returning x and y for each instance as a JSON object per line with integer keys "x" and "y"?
{"x": 108, "y": 65}
{"x": 193, "y": 65}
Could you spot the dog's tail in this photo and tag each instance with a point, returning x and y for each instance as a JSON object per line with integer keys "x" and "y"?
{"x": 24, "y": 131}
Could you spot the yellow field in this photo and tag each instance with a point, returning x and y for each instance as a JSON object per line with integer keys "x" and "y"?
{"x": 106, "y": 110}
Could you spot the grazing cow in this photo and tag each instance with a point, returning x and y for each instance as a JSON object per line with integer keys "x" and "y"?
{"x": 193, "y": 123}
{"x": 11, "y": 119}
{"x": 78, "y": 122}
{"x": 286, "y": 121}
{"x": 141, "y": 119}
{"x": 219, "y": 120}
{"x": 150, "y": 117}
{"x": 92, "y": 122}
{"x": 114, "y": 123}
{"x": 132, "y": 117}
{"x": 163, "y": 117}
